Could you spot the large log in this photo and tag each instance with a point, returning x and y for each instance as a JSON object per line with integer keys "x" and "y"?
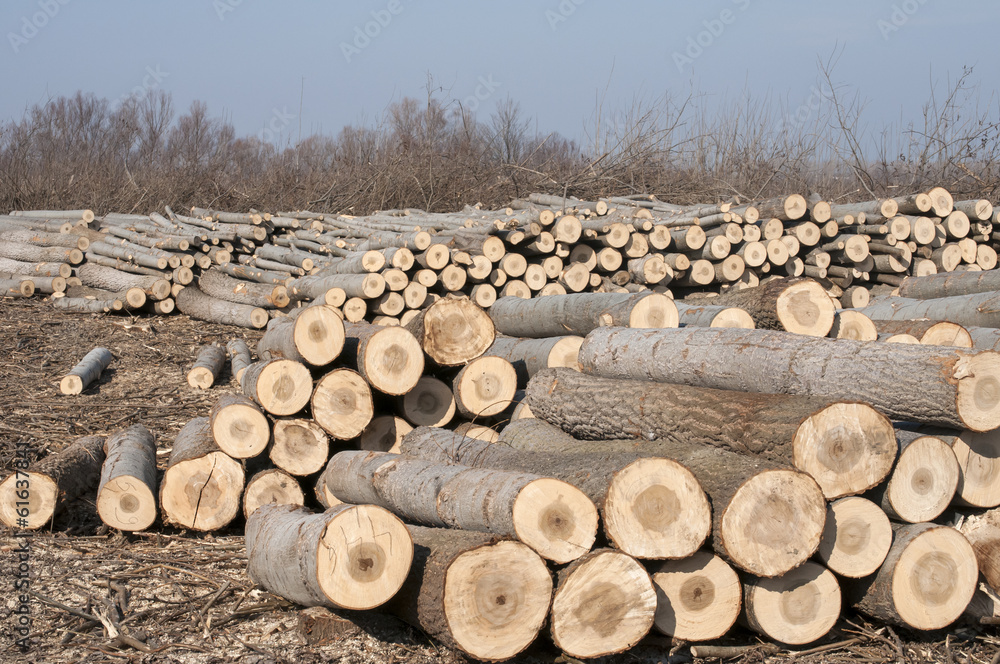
{"x": 202, "y": 485}
{"x": 350, "y": 557}
{"x": 579, "y": 313}
{"x": 529, "y": 356}
{"x": 604, "y": 603}
{"x": 796, "y": 608}
{"x": 793, "y": 304}
{"x": 315, "y": 336}
{"x": 220, "y": 285}
{"x": 86, "y": 371}
{"x": 196, "y": 304}
{"x": 926, "y": 581}
{"x": 698, "y": 598}
{"x": 923, "y": 481}
{"x": 342, "y": 404}
{"x": 486, "y": 598}
{"x": 239, "y": 426}
{"x": 975, "y": 310}
{"x": 389, "y": 358}
{"x": 126, "y": 495}
{"x": 300, "y": 446}
{"x": 453, "y": 331}
{"x": 280, "y": 386}
{"x": 846, "y": 447}
{"x": 950, "y": 284}
{"x": 650, "y": 507}
{"x": 484, "y": 387}
{"x": 856, "y": 538}
{"x": 554, "y": 518}
{"x": 33, "y": 494}
{"x": 931, "y": 384}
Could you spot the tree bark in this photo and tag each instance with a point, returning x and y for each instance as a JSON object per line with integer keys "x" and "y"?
{"x": 207, "y": 368}
{"x": 579, "y": 313}
{"x": 529, "y": 356}
{"x": 126, "y": 495}
{"x": 793, "y": 304}
{"x": 350, "y": 557}
{"x": 928, "y": 332}
{"x": 51, "y": 484}
{"x": 217, "y": 284}
{"x": 485, "y": 597}
{"x": 846, "y": 447}
{"x": 196, "y": 304}
{"x": 86, "y": 372}
{"x": 975, "y": 310}
{"x": 239, "y": 357}
{"x": 929, "y": 384}
{"x": 99, "y": 276}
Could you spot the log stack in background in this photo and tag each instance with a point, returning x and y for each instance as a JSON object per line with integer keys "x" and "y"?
{"x": 528, "y": 400}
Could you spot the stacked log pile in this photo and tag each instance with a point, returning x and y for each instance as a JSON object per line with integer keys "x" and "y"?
{"x": 595, "y": 463}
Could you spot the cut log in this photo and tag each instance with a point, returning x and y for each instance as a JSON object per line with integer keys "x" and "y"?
{"x": 856, "y": 538}
{"x": 220, "y": 285}
{"x": 86, "y": 372}
{"x": 484, "y": 387}
{"x": 651, "y": 507}
{"x": 453, "y": 331}
{"x": 350, "y": 557}
{"x": 929, "y": 332}
{"x": 579, "y": 313}
{"x": 849, "y": 324}
{"x": 342, "y": 404}
{"x": 116, "y": 281}
{"x": 281, "y": 387}
{"x": 697, "y": 598}
{"x": 795, "y": 305}
{"x": 300, "y": 447}
{"x": 16, "y": 288}
{"x": 529, "y": 356}
{"x": 796, "y": 608}
{"x": 196, "y": 304}
{"x": 389, "y": 358}
{"x": 923, "y": 482}
{"x": 239, "y": 426}
{"x": 983, "y": 533}
{"x": 926, "y": 581}
{"x": 384, "y": 434}
{"x": 32, "y": 495}
{"x": 974, "y": 310}
{"x": 315, "y": 336}
{"x": 978, "y": 456}
{"x": 488, "y": 599}
{"x": 126, "y": 495}
{"x": 709, "y": 315}
{"x": 202, "y": 485}
{"x": 430, "y": 403}
{"x": 604, "y": 604}
{"x": 846, "y": 447}
{"x": 207, "y": 368}
{"x": 931, "y": 384}
{"x": 271, "y": 487}
{"x": 239, "y": 358}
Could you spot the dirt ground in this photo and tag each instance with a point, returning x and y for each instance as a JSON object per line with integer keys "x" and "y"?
{"x": 185, "y": 597}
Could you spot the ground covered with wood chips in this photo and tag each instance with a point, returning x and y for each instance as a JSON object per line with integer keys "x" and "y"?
{"x": 172, "y": 596}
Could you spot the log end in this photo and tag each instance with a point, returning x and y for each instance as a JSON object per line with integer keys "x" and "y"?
{"x": 856, "y": 538}
{"x": 201, "y": 378}
{"x": 431, "y": 403}
{"x": 342, "y": 403}
{"x": 805, "y": 308}
{"x": 654, "y": 311}
{"x": 733, "y": 317}
{"x": 319, "y": 335}
{"x": 978, "y": 398}
{"x": 271, "y": 487}
{"x": 71, "y": 385}
{"x": 555, "y": 519}
{"x": 456, "y": 330}
{"x": 393, "y": 361}
{"x": 126, "y": 503}
{"x": 796, "y": 608}
{"x": 202, "y": 493}
{"x": 924, "y": 480}
{"x": 240, "y": 429}
{"x": 384, "y": 434}
{"x": 698, "y": 598}
{"x": 42, "y": 497}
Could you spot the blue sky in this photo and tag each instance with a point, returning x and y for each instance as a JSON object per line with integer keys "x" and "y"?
{"x": 251, "y": 59}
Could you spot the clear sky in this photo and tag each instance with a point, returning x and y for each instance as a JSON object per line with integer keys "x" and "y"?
{"x": 250, "y": 60}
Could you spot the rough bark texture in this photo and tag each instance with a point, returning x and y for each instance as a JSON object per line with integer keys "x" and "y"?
{"x": 976, "y": 310}
{"x": 950, "y": 284}
{"x": 52, "y": 483}
{"x": 510, "y": 598}
{"x": 351, "y": 556}
{"x": 796, "y": 305}
{"x": 529, "y": 356}
{"x": 917, "y": 383}
{"x": 126, "y": 496}
{"x": 196, "y": 304}
{"x": 220, "y": 285}
{"x": 558, "y": 315}
{"x": 239, "y": 357}
{"x": 848, "y": 452}
{"x": 99, "y": 276}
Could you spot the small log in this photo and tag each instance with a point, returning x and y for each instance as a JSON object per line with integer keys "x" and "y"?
{"x": 342, "y": 404}
{"x": 315, "y": 336}
{"x": 795, "y": 305}
{"x": 796, "y": 608}
{"x": 949, "y": 387}
{"x": 929, "y": 332}
{"x": 389, "y": 358}
{"x": 84, "y": 305}
{"x": 926, "y": 581}
{"x": 604, "y": 603}
{"x": 300, "y": 446}
{"x": 126, "y": 495}
{"x": 849, "y": 324}
{"x": 116, "y": 281}
{"x": 484, "y": 387}
{"x": 239, "y": 358}
{"x": 529, "y": 356}
{"x": 31, "y": 496}
{"x": 280, "y": 386}
{"x": 350, "y": 557}
{"x": 710, "y": 315}
{"x": 856, "y": 537}
{"x": 580, "y": 313}
{"x": 430, "y": 403}
{"x": 202, "y": 485}
{"x": 239, "y": 426}
{"x": 923, "y": 481}
{"x": 196, "y": 304}
{"x": 220, "y": 285}
{"x": 698, "y": 598}
{"x": 484, "y": 597}
{"x": 453, "y": 330}
{"x": 207, "y": 368}
{"x": 86, "y": 372}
